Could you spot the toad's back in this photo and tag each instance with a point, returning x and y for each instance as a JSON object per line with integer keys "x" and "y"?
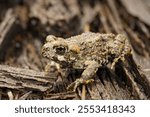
{"x": 93, "y": 46}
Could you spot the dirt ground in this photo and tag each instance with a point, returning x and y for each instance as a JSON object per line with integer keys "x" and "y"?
{"x": 24, "y": 25}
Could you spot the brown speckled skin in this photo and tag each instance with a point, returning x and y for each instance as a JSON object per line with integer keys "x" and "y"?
{"x": 86, "y": 51}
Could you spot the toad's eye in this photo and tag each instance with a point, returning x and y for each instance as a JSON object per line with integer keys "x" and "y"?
{"x": 60, "y": 50}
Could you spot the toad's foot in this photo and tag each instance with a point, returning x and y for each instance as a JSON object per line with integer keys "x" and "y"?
{"x": 73, "y": 86}
{"x": 86, "y": 77}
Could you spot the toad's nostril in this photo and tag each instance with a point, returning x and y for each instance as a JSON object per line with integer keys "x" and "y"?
{"x": 46, "y": 49}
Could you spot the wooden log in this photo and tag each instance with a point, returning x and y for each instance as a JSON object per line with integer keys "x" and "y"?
{"x": 64, "y": 96}
{"x": 25, "y": 79}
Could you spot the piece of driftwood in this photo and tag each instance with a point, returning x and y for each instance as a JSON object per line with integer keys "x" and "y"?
{"x": 61, "y": 96}
{"x": 25, "y": 79}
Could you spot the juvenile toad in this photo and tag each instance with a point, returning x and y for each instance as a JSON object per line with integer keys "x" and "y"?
{"x": 87, "y": 51}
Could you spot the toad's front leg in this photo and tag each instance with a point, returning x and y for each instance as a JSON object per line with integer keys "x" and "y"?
{"x": 87, "y": 75}
{"x": 55, "y": 67}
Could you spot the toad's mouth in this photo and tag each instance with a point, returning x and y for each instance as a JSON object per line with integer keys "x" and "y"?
{"x": 61, "y": 60}
{"x": 58, "y": 58}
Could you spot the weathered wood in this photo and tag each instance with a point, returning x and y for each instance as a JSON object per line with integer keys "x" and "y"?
{"x": 64, "y": 96}
{"x": 25, "y": 79}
